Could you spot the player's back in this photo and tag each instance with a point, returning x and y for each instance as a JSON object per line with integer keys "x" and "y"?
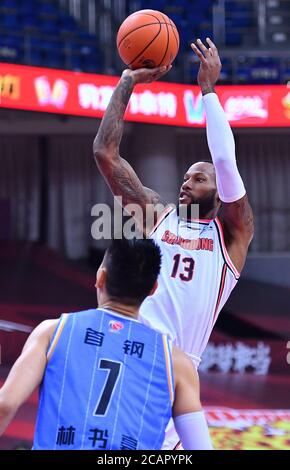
{"x": 107, "y": 385}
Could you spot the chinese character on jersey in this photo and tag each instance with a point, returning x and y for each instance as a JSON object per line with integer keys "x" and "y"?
{"x": 99, "y": 435}
{"x": 133, "y": 348}
{"x": 94, "y": 337}
{"x": 128, "y": 443}
{"x": 65, "y": 436}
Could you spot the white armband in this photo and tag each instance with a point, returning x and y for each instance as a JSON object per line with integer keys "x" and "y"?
{"x": 193, "y": 431}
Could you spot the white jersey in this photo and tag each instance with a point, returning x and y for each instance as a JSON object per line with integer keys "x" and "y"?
{"x": 196, "y": 279}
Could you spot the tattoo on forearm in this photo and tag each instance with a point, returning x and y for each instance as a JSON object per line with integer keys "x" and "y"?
{"x": 111, "y": 128}
{"x": 126, "y": 90}
{"x": 119, "y": 175}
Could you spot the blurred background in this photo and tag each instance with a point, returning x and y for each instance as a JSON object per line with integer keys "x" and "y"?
{"x": 49, "y": 183}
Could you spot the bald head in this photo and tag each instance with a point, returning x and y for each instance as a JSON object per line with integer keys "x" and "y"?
{"x": 205, "y": 167}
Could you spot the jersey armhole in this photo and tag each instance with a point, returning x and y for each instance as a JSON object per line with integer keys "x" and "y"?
{"x": 226, "y": 255}
{"x": 161, "y": 217}
{"x": 56, "y": 336}
{"x": 167, "y": 344}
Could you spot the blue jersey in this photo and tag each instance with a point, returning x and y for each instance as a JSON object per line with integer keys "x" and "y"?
{"x": 108, "y": 384}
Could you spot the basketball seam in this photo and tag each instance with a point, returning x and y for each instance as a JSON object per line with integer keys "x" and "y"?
{"x": 149, "y": 44}
{"x": 173, "y": 26}
{"x": 148, "y": 14}
{"x": 136, "y": 14}
{"x": 139, "y": 27}
{"x": 166, "y": 49}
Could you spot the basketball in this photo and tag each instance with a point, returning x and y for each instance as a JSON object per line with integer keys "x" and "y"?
{"x": 147, "y": 38}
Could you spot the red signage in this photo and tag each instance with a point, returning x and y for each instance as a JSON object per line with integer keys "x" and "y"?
{"x": 81, "y": 94}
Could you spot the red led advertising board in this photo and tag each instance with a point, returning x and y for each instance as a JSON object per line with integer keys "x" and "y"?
{"x": 83, "y": 94}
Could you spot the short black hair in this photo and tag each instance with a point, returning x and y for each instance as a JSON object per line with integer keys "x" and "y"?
{"x": 132, "y": 269}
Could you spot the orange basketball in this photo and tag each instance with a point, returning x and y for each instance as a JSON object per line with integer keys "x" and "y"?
{"x": 147, "y": 38}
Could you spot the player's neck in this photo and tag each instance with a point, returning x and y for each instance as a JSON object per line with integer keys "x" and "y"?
{"x": 204, "y": 216}
{"x": 190, "y": 212}
{"x": 131, "y": 311}
{"x": 209, "y": 215}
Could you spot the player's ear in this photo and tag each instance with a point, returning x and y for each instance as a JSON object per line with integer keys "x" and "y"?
{"x": 153, "y": 288}
{"x": 101, "y": 277}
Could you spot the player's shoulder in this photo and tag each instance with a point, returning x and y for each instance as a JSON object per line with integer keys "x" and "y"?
{"x": 42, "y": 334}
{"x": 181, "y": 361}
{"x": 46, "y": 328}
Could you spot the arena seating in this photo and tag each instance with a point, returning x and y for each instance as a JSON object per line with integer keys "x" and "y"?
{"x": 40, "y": 33}
{"x": 195, "y": 19}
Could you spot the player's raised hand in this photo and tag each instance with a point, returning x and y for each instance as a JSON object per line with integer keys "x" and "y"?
{"x": 145, "y": 75}
{"x": 210, "y": 64}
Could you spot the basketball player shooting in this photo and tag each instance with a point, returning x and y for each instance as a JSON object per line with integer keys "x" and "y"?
{"x": 201, "y": 258}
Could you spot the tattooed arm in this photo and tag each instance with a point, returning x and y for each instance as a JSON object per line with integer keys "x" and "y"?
{"x": 238, "y": 224}
{"x": 118, "y": 173}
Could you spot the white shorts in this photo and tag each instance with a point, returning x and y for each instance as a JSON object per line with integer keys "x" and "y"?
{"x": 171, "y": 440}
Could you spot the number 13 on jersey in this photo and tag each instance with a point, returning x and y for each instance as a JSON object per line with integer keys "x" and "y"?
{"x": 183, "y": 268}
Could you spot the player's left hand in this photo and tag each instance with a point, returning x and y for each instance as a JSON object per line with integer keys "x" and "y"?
{"x": 210, "y": 64}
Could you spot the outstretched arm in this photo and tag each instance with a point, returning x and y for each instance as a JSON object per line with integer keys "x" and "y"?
{"x": 27, "y": 372}
{"x": 235, "y": 214}
{"x": 118, "y": 173}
